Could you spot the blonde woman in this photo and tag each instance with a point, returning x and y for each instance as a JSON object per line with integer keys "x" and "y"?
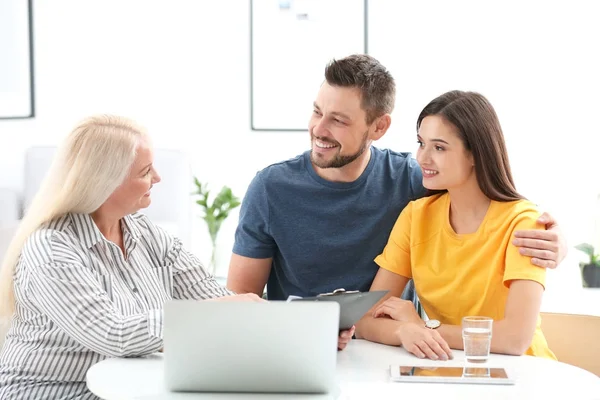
{"x": 86, "y": 276}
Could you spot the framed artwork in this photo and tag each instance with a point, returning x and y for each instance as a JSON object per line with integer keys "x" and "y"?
{"x": 16, "y": 53}
{"x": 291, "y": 42}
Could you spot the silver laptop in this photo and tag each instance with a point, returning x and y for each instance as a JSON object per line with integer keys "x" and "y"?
{"x": 250, "y": 347}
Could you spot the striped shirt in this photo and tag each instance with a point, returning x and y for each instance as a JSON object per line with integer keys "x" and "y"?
{"x": 79, "y": 300}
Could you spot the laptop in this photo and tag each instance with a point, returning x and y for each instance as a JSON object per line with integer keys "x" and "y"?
{"x": 274, "y": 347}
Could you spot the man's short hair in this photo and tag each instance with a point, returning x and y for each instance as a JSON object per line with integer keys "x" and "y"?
{"x": 376, "y": 84}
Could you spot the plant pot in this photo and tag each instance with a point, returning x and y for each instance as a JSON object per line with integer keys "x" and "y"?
{"x": 591, "y": 275}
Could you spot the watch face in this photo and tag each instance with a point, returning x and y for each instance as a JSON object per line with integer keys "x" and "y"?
{"x": 432, "y": 324}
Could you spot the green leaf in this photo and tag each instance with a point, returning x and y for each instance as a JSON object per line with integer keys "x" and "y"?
{"x": 586, "y": 248}
{"x": 221, "y": 216}
{"x": 218, "y": 211}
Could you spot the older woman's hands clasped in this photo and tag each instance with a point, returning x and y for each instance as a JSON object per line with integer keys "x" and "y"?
{"x": 414, "y": 336}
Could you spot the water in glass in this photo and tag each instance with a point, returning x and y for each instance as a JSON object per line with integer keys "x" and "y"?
{"x": 477, "y": 343}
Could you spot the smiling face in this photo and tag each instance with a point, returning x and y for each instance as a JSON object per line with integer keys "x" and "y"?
{"x": 444, "y": 160}
{"x": 134, "y": 193}
{"x": 338, "y": 129}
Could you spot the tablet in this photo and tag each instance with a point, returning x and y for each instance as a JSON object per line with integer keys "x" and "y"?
{"x": 353, "y": 305}
{"x": 447, "y": 374}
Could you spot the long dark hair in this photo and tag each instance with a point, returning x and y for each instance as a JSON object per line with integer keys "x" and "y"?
{"x": 480, "y": 131}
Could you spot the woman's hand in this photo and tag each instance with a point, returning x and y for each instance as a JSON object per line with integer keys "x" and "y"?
{"x": 423, "y": 342}
{"x": 345, "y": 337}
{"x": 398, "y": 309}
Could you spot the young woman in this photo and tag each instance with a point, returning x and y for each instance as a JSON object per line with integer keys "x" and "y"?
{"x": 456, "y": 243}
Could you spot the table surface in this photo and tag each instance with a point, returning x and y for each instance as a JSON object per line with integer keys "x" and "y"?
{"x": 363, "y": 372}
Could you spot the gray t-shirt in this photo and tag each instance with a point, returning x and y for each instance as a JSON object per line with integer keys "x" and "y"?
{"x": 324, "y": 235}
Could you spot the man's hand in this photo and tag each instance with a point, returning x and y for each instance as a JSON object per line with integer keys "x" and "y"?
{"x": 397, "y": 309}
{"x": 546, "y": 248}
{"x": 345, "y": 338}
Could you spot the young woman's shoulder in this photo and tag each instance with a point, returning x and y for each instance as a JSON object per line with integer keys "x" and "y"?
{"x": 517, "y": 212}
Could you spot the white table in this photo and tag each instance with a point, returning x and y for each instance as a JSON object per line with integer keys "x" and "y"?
{"x": 362, "y": 373}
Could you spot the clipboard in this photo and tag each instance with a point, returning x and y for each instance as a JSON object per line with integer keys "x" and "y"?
{"x": 353, "y": 304}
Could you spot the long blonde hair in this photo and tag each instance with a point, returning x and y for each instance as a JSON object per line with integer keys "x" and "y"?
{"x": 92, "y": 162}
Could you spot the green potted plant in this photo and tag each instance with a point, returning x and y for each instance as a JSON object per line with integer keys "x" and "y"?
{"x": 590, "y": 270}
{"x": 214, "y": 212}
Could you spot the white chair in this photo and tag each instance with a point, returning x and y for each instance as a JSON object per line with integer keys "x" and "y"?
{"x": 6, "y": 233}
{"x": 171, "y": 206}
{"x": 10, "y": 208}
{"x": 9, "y": 216}
{"x": 10, "y": 212}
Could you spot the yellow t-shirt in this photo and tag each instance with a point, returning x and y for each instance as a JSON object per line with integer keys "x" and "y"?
{"x": 467, "y": 274}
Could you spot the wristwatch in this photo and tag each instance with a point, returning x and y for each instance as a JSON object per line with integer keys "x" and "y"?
{"x": 432, "y": 324}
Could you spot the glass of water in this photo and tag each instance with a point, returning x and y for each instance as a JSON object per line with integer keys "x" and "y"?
{"x": 477, "y": 338}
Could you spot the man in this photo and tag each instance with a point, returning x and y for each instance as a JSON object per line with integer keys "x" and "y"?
{"x": 315, "y": 223}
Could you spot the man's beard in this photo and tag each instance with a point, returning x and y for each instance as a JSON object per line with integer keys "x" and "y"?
{"x": 339, "y": 161}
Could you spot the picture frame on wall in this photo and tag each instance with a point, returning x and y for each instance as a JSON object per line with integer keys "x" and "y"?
{"x": 16, "y": 52}
{"x": 291, "y": 42}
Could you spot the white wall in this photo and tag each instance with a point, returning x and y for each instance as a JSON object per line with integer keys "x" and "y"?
{"x": 181, "y": 67}
{"x": 15, "y": 82}
{"x": 533, "y": 59}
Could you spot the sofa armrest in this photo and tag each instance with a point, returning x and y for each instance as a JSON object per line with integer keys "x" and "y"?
{"x": 10, "y": 207}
